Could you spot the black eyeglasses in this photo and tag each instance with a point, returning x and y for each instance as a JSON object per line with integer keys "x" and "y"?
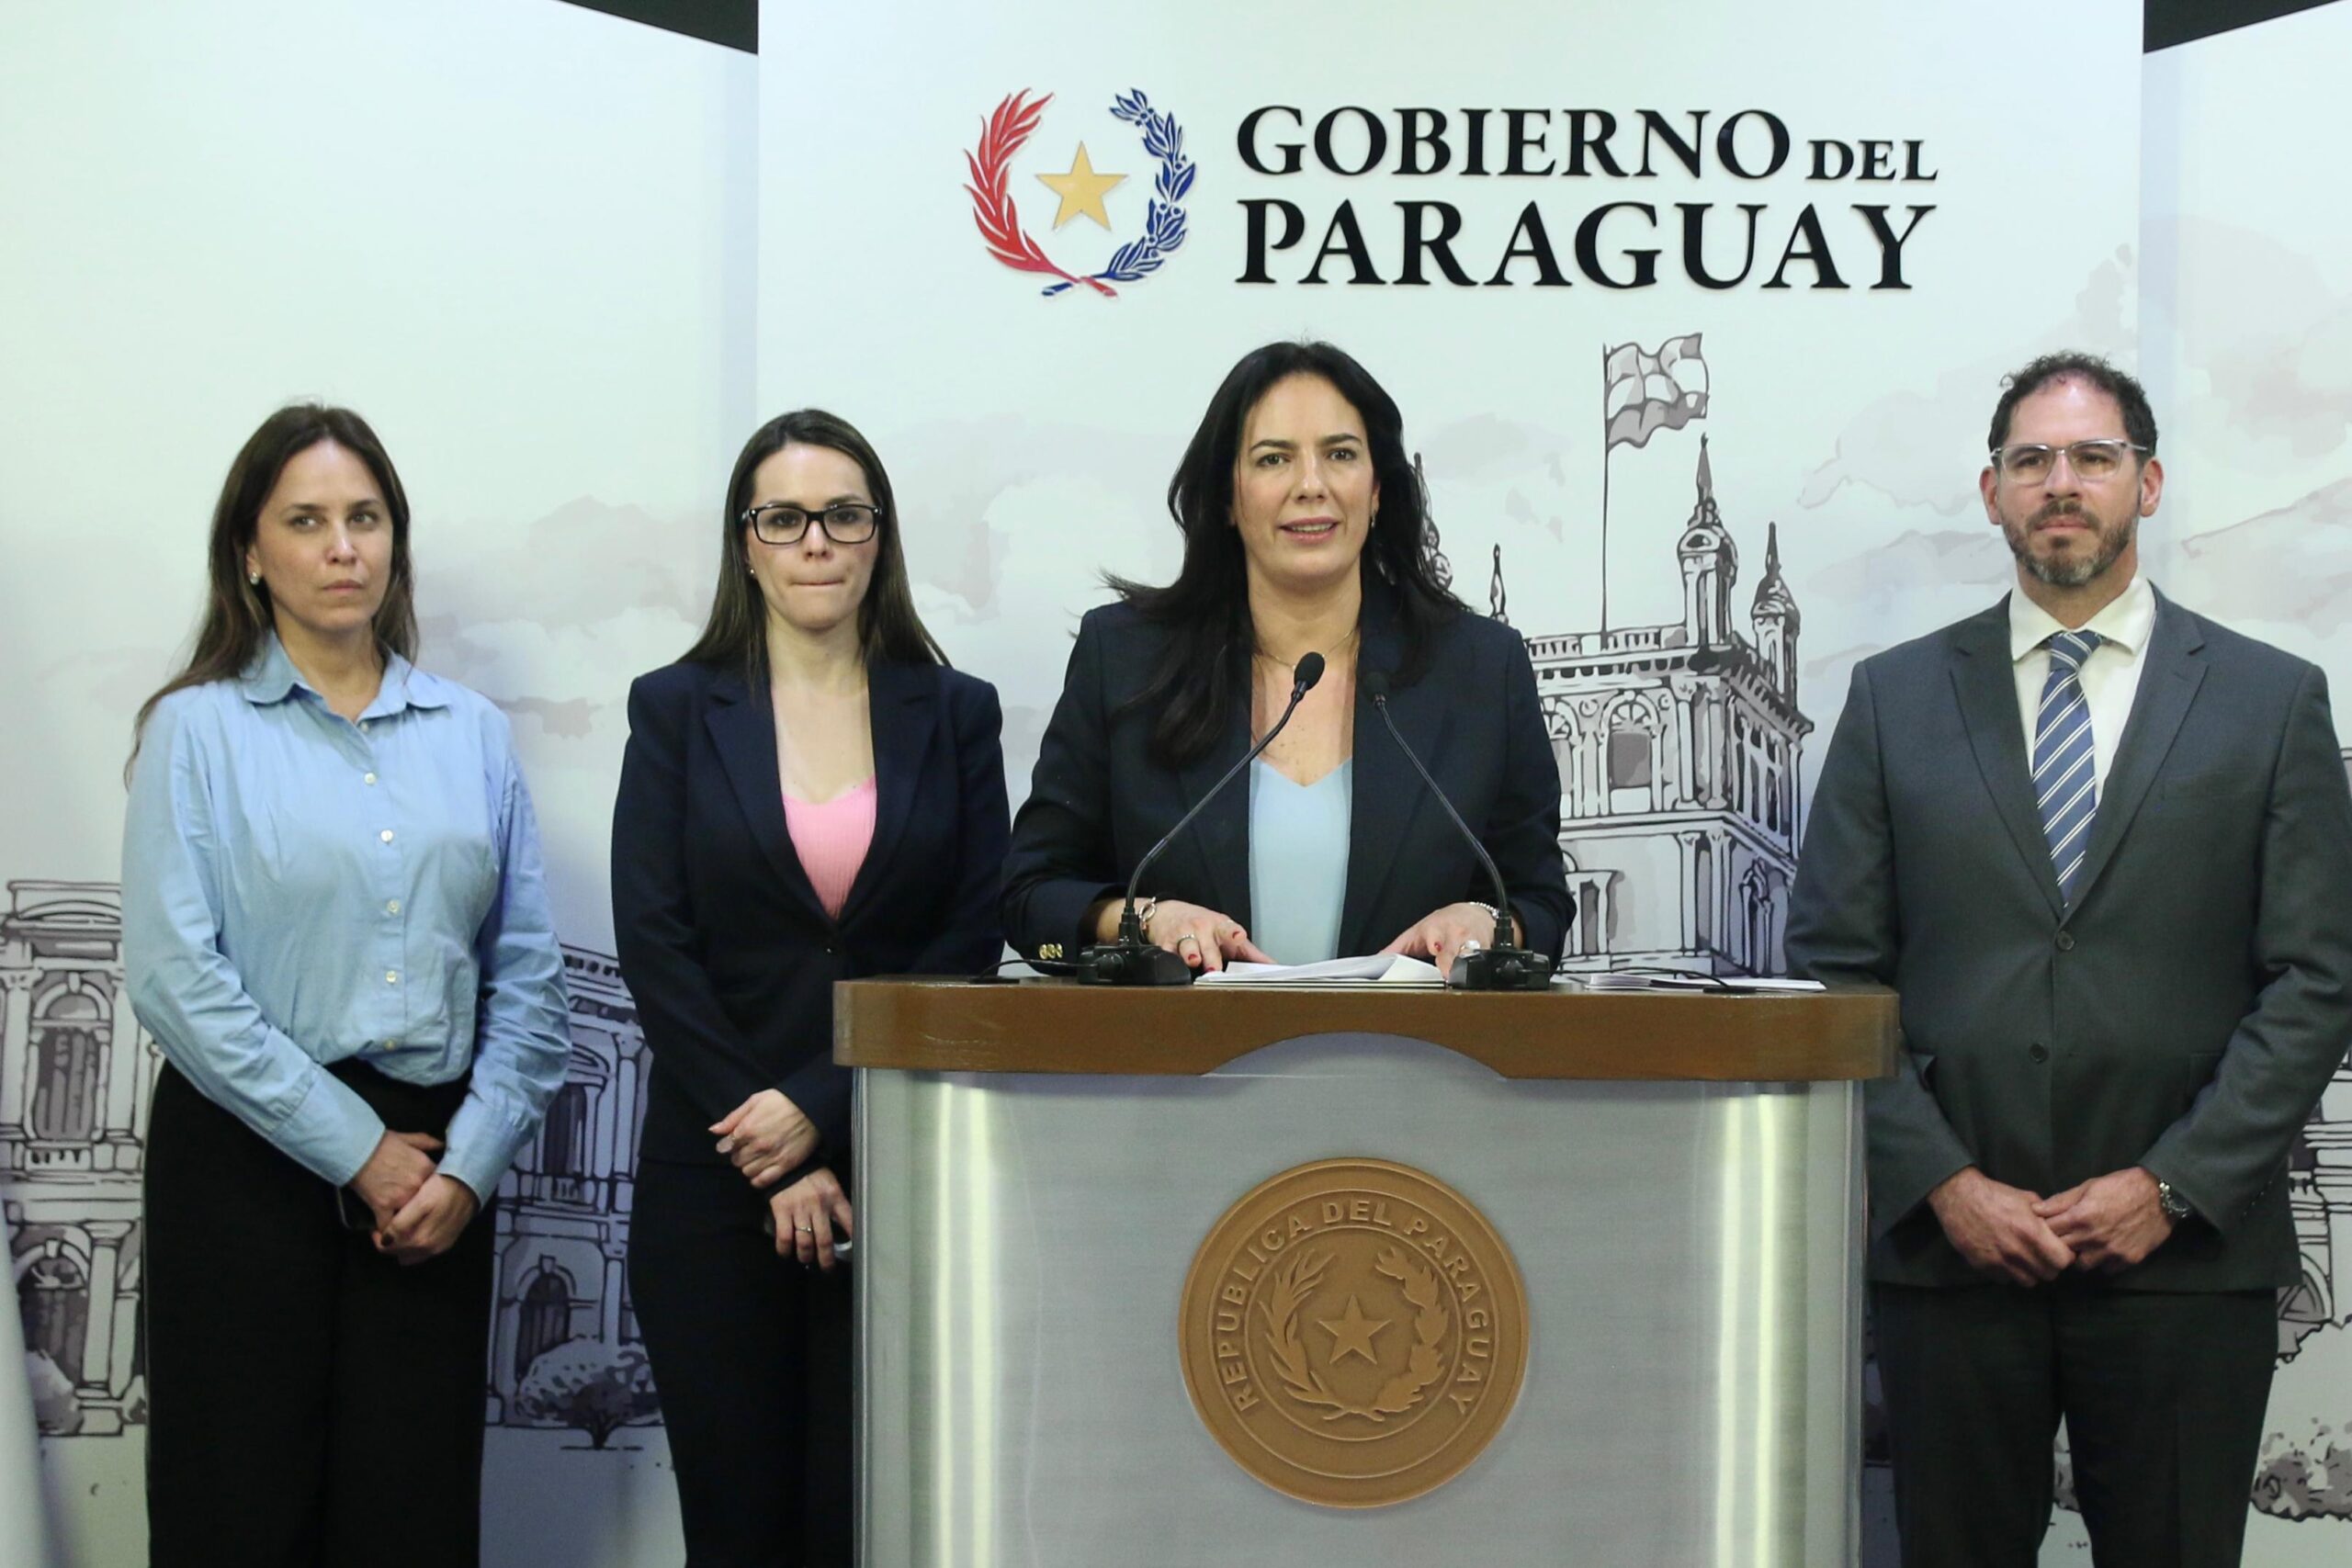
{"x": 849, "y": 523}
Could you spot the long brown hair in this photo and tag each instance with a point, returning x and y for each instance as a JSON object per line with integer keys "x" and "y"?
{"x": 237, "y": 613}
{"x": 887, "y": 626}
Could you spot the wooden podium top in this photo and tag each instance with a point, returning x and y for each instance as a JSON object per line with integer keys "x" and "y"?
{"x": 1058, "y": 1026}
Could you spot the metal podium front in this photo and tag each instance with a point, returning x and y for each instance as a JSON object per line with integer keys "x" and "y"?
{"x": 1357, "y": 1277}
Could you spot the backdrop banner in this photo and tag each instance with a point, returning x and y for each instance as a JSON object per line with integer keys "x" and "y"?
{"x": 1684, "y": 319}
{"x": 1696, "y": 326}
{"x": 1695, "y": 314}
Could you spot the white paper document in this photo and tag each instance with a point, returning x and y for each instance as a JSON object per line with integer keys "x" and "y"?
{"x": 1634, "y": 980}
{"x": 1377, "y": 969}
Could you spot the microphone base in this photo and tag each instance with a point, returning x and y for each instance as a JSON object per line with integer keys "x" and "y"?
{"x": 1131, "y": 963}
{"x": 1500, "y": 969}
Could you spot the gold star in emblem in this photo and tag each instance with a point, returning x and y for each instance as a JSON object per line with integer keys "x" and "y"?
{"x": 1081, "y": 190}
{"x": 1352, "y": 1333}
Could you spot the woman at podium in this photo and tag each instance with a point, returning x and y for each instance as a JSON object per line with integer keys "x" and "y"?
{"x": 1304, "y": 522}
{"x": 809, "y": 794}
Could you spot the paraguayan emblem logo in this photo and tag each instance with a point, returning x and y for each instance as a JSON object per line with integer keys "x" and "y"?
{"x": 1080, "y": 192}
{"x": 1354, "y": 1333}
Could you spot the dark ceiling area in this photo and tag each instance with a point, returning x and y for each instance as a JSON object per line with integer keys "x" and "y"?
{"x": 736, "y": 23}
{"x": 2170, "y": 22}
{"x": 733, "y": 23}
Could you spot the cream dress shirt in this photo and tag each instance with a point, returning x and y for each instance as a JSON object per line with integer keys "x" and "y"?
{"x": 2110, "y": 676}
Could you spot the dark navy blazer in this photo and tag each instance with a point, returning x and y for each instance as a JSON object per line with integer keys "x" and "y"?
{"x": 728, "y": 952}
{"x": 1099, "y": 801}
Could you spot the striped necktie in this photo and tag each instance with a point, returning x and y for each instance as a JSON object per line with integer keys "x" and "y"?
{"x": 2065, "y": 782}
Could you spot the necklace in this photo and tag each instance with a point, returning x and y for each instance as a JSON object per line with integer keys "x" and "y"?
{"x": 1347, "y": 646}
{"x": 1339, "y": 662}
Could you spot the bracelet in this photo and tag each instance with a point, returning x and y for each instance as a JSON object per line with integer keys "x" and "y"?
{"x": 1144, "y": 911}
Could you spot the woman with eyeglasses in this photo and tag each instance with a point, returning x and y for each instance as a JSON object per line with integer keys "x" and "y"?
{"x": 335, "y": 926}
{"x": 809, "y": 794}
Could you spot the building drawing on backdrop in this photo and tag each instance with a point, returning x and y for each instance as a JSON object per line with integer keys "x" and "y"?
{"x": 2319, "y": 1190}
{"x": 74, "y": 1091}
{"x": 76, "y": 1076}
{"x": 1679, "y": 745}
{"x": 564, "y": 1346}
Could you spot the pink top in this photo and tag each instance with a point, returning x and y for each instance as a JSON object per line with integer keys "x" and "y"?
{"x": 831, "y": 838}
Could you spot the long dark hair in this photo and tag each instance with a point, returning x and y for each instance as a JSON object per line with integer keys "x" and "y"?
{"x": 1206, "y": 609}
{"x": 887, "y": 626}
{"x": 237, "y": 613}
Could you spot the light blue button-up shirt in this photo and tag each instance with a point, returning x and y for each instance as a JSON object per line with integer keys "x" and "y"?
{"x": 299, "y": 889}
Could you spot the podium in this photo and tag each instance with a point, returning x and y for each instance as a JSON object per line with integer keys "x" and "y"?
{"x": 1356, "y": 1276}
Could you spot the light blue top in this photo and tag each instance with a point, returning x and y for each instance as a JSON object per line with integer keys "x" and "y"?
{"x": 1298, "y": 861}
{"x": 299, "y": 889}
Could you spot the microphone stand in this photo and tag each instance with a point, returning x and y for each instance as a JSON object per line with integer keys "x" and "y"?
{"x": 1132, "y": 960}
{"x": 1505, "y": 966}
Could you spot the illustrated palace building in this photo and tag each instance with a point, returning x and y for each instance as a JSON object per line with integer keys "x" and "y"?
{"x": 1678, "y": 747}
{"x": 76, "y": 1075}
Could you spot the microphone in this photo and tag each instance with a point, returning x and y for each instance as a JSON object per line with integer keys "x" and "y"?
{"x": 1133, "y": 960}
{"x": 1504, "y": 966}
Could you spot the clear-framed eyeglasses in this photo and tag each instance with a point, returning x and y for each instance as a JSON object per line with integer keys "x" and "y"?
{"x": 850, "y": 523}
{"x": 2031, "y": 462}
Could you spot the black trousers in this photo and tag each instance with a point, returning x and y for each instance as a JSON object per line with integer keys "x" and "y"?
{"x": 311, "y": 1403}
{"x": 752, "y": 1357}
{"x": 2163, "y": 1396}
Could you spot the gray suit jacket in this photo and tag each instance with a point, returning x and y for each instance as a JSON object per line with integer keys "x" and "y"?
{"x": 2184, "y": 1017}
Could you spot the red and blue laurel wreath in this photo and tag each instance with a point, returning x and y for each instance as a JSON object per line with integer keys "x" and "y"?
{"x": 1010, "y": 127}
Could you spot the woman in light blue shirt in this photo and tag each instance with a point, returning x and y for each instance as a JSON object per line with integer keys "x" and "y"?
{"x": 336, "y": 927}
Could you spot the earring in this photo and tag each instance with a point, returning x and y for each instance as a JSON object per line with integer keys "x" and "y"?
{"x": 253, "y": 578}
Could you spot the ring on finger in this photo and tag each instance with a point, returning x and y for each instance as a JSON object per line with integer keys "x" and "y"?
{"x": 1187, "y": 936}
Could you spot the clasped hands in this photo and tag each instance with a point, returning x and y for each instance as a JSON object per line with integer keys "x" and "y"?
{"x": 766, "y": 1137}
{"x": 2106, "y": 1224}
{"x": 420, "y": 1213}
{"x": 1208, "y": 941}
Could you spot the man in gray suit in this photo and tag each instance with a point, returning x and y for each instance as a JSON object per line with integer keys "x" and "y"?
{"x": 2103, "y": 848}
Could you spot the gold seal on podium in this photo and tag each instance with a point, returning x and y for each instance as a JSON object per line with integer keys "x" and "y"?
{"x": 1354, "y": 1333}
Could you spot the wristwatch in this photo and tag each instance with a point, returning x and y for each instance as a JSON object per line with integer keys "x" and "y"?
{"x": 2175, "y": 1206}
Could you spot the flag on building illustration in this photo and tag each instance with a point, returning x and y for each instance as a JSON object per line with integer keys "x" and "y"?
{"x": 1644, "y": 392}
